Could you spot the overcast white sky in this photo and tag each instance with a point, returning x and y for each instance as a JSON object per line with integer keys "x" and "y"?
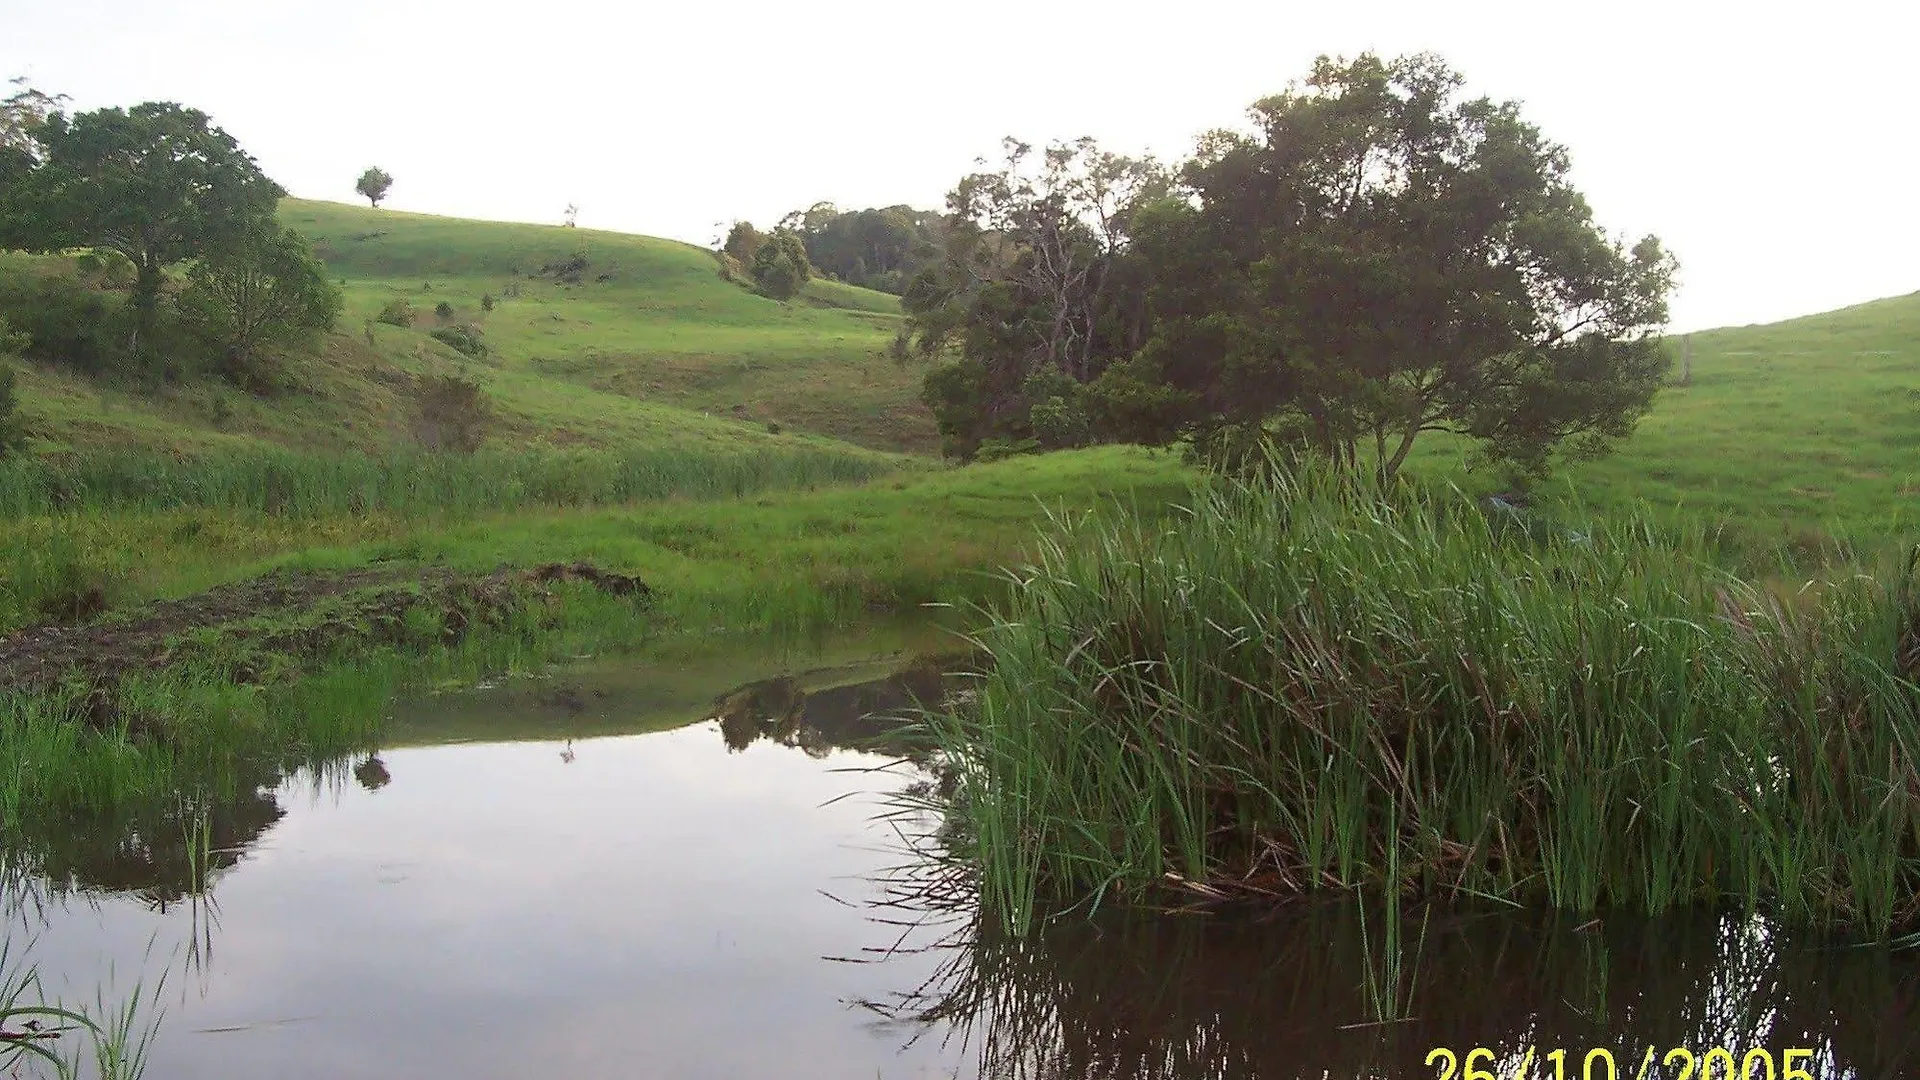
{"x": 1772, "y": 147}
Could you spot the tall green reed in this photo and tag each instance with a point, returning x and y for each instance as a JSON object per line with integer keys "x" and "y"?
{"x": 1306, "y": 683}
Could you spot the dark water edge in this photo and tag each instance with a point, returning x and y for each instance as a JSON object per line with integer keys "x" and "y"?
{"x": 683, "y": 865}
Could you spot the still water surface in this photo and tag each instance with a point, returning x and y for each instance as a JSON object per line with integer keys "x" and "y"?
{"x": 522, "y": 889}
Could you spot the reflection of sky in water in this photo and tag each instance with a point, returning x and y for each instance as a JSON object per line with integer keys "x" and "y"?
{"x": 655, "y": 905}
{"x": 653, "y": 908}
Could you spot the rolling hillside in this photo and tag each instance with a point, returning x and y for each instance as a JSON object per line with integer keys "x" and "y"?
{"x": 1788, "y": 430}
{"x": 634, "y": 317}
{"x": 642, "y": 345}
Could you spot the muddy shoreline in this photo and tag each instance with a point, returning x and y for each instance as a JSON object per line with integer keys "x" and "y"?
{"x": 249, "y": 631}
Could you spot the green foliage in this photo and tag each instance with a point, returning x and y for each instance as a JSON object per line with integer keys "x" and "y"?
{"x": 67, "y": 323}
{"x": 743, "y": 242}
{"x": 13, "y": 427}
{"x": 265, "y": 291}
{"x": 1035, "y": 284}
{"x": 157, "y": 183}
{"x": 443, "y": 310}
{"x": 1379, "y": 258}
{"x": 373, "y": 185}
{"x": 396, "y": 313}
{"x": 463, "y": 339}
{"x": 1308, "y": 684}
{"x": 877, "y": 249}
{"x": 451, "y": 413}
{"x": 486, "y": 301}
{"x": 780, "y": 266}
{"x": 1457, "y": 283}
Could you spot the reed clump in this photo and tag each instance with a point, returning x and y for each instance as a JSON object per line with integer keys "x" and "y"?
{"x": 1302, "y": 683}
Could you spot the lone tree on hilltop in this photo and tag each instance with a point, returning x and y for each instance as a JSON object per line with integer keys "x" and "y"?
{"x": 374, "y": 184}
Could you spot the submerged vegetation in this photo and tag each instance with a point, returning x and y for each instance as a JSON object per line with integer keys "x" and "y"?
{"x": 1303, "y": 684}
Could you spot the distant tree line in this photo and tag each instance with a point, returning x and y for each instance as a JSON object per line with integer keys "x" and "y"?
{"x": 178, "y": 260}
{"x": 1378, "y": 257}
{"x": 879, "y": 249}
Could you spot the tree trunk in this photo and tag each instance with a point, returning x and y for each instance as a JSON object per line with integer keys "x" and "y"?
{"x": 146, "y": 304}
{"x": 1392, "y": 468}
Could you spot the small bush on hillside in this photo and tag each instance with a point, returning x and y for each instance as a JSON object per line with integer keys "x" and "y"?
{"x": 106, "y": 268}
{"x": 463, "y": 339}
{"x": 773, "y": 427}
{"x": 780, "y": 266}
{"x": 486, "y": 301}
{"x": 450, "y": 413}
{"x": 443, "y": 310}
{"x": 13, "y": 429}
{"x": 396, "y": 313}
{"x": 68, "y": 324}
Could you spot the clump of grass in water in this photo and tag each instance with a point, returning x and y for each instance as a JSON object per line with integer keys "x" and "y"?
{"x": 32, "y": 1032}
{"x": 1231, "y": 704}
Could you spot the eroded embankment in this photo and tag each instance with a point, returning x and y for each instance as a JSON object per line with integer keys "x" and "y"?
{"x": 251, "y": 631}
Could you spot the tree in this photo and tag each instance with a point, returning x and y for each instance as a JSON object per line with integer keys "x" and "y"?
{"x": 156, "y": 183}
{"x": 1032, "y": 291}
{"x": 373, "y": 185}
{"x": 1382, "y": 257}
{"x": 21, "y": 115}
{"x": 266, "y": 290}
{"x": 780, "y": 266}
{"x": 743, "y": 242}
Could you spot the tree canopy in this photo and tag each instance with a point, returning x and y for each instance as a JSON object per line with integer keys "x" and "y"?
{"x": 1378, "y": 257}
{"x": 373, "y": 185}
{"x": 876, "y": 249}
{"x": 157, "y": 183}
{"x": 263, "y": 291}
{"x": 780, "y": 266}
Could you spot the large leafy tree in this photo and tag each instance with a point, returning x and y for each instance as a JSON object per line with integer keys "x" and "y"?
{"x": 1381, "y": 257}
{"x": 263, "y": 291}
{"x": 157, "y": 183}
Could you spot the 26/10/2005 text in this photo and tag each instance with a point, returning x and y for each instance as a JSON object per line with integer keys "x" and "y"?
{"x": 1679, "y": 1063}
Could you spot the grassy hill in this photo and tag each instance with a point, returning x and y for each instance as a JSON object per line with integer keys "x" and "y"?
{"x": 1788, "y": 431}
{"x": 632, "y": 317}
{"x": 643, "y": 346}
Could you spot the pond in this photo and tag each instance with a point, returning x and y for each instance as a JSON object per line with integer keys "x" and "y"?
{"x": 682, "y": 866}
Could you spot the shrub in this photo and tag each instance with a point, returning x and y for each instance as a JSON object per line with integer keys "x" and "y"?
{"x": 486, "y": 302}
{"x": 773, "y": 427}
{"x": 67, "y": 323}
{"x": 450, "y": 413}
{"x": 396, "y": 313}
{"x": 780, "y": 266}
{"x": 463, "y": 339}
{"x": 443, "y": 310}
{"x": 13, "y": 427}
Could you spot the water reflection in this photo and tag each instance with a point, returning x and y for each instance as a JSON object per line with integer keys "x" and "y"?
{"x": 1127, "y": 997}
{"x": 690, "y": 898}
{"x": 832, "y": 711}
